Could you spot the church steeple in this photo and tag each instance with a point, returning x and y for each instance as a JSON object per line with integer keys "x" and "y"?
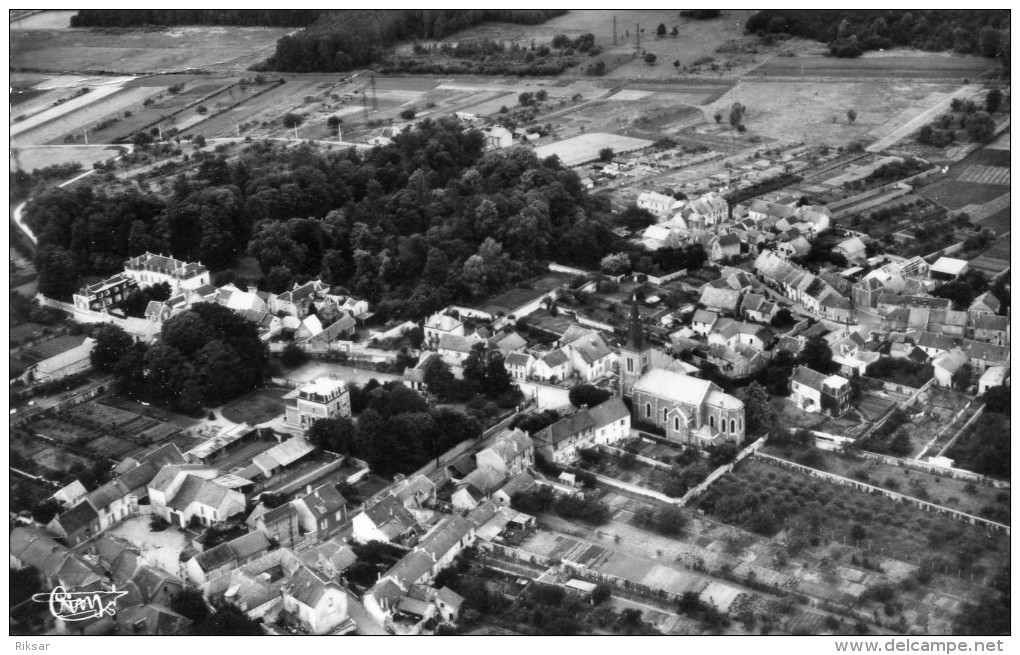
{"x": 635, "y": 333}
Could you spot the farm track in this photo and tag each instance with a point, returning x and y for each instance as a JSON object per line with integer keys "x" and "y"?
{"x": 920, "y": 120}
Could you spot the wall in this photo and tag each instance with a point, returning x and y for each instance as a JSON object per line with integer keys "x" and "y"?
{"x": 892, "y": 495}
{"x": 721, "y": 471}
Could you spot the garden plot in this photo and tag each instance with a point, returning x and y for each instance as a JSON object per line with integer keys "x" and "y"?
{"x": 30, "y": 158}
{"x": 586, "y": 147}
{"x": 57, "y": 460}
{"x": 111, "y": 447}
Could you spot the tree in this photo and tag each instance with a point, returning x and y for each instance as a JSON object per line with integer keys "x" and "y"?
{"x": 407, "y": 114}
{"x": 526, "y": 99}
{"x": 541, "y": 95}
{"x": 817, "y": 355}
{"x": 636, "y": 218}
{"x": 758, "y": 411}
{"x": 293, "y": 355}
{"x": 601, "y": 594}
{"x": 717, "y": 116}
{"x": 617, "y": 264}
{"x": 851, "y": 116}
{"x": 997, "y": 399}
{"x": 198, "y": 141}
{"x": 661, "y": 30}
{"x": 333, "y": 122}
{"x": 111, "y": 343}
{"x": 980, "y": 127}
{"x": 291, "y": 120}
{"x": 962, "y": 376}
{"x": 190, "y": 603}
{"x": 989, "y": 40}
{"x": 337, "y": 435}
{"x": 588, "y": 395}
{"x": 606, "y": 154}
{"x": 993, "y": 100}
{"x": 736, "y": 114}
{"x": 57, "y": 275}
{"x": 650, "y": 59}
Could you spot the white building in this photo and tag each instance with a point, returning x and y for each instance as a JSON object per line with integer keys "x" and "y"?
{"x": 149, "y": 269}
{"x": 324, "y": 398}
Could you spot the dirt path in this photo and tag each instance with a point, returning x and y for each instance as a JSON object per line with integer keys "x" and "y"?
{"x": 920, "y": 120}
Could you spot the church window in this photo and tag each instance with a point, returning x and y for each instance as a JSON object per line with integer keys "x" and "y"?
{"x": 665, "y": 414}
{"x": 630, "y": 365}
{"x": 676, "y": 423}
{"x": 711, "y": 421}
{"x": 732, "y": 425}
{"x": 648, "y": 410}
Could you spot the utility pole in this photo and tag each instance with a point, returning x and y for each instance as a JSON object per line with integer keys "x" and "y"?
{"x": 375, "y": 104}
{"x": 614, "y": 30}
{"x": 637, "y": 35}
{"x": 86, "y": 135}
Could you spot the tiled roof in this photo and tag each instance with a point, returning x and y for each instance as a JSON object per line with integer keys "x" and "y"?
{"x": 78, "y": 517}
{"x": 198, "y": 490}
{"x": 323, "y": 501}
{"x": 674, "y": 386}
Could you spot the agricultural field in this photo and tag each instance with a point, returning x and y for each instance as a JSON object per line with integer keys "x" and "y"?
{"x": 139, "y": 51}
{"x": 979, "y": 185}
{"x": 816, "y": 114}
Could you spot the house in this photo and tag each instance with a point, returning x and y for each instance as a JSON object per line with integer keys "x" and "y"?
{"x": 320, "y": 604}
{"x": 816, "y": 392}
{"x": 497, "y": 137}
{"x": 281, "y": 523}
{"x": 690, "y": 410}
{"x": 387, "y": 521}
{"x": 867, "y": 292}
{"x": 324, "y": 398}
{"x": 182, "y": 493}
{"x": 266, "y": 464}
{"x": 149, "y": 269}
{"x": 77, "y": 524}
{"x": 69, "y": 495}
{"x": 853, "y": 249}
{"x": 656, "y": 237}
{"x": 224, "y": 558}
{"x": 737, "y": 362}
{"x": 553, "y": 367}
{"x": 703, "y": 321}
{"x": 509, "y": 343}
{"x": 513, "y": 452}
{"x": 982, "y": 355}
{"x": 118, "y": 499}
{"x": 454, "y": 349}
{"x": 476, "y": 487}
{"x": 590, "y": 355}
{"x": 519, "y": 365}
{"x": 298, "y": 300}
{"x": 707, "y": 211}
{"x": 794, "y": 247}
{"x": 341, "y": 329}
{"x": 449, "y": 603}
{"x": 606, "y": 423}
{"x": 101, "y": 295}
{"x": 761, "y": 210}
{"x": 74, "y": 359}
{"x": 947, "y": 364}
{"x": 418, "y": 494}
{"x": 947, "y": 268}
{"x": 934, "y": 344}
{"x": 994, "y": 376}
{"x": 724, "y": 247}
{"x": 735, "y": 333}
{"x": 657, "y": 203}
{"x": 990, "y": 328}
{"x": 321, "y": 513}
{"x": 439, "y": 324}
{"x": 723, "y": 301}
{"x": 517, "y": 484}
{"x": 756, "y": 307}
{"x": 948, "y": 322}
{"x": 984, "y": 305}
{"x": 56, "y": 564}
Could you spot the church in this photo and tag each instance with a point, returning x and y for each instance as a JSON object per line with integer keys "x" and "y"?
{"x": 690, "y": 410}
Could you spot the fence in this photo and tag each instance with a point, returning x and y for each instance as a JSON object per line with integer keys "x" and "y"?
{"x": 959, "y": 432}
{"x": 892, "y": 495}
{"x": 935, "y": 469}
{"x": 721, "y": 471}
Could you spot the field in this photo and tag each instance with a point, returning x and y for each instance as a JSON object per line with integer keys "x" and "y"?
{"x": 805, "y": 111}
{"x": 256, "y": 407}
{"x": 580, "y": 149}
{"x": 47, "y": 20}
{"x": 898, "y": 65}
{"x": 136, "y": 51}
{"x": 979, "y": 185}
{"x": 30, "y": 158}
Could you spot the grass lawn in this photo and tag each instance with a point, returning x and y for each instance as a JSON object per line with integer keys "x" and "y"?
{"x": 257, "y": 407}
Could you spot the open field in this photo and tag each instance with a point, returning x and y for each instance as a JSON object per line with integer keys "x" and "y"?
{"x": 579, "y": 149}
{"x": 898, "y": 65}
{"x": 805, "y": 111}
{"x": 143, "y": 50}
{"x": 256, "y": 407}
{"x": 30, "y": 158}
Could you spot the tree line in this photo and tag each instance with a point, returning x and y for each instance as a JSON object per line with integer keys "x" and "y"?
{"x": 174, "y": 17}
{"x": 851, "y": 32}
{"x": 413, "y": 226}
{"x": 341, "y": 40}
